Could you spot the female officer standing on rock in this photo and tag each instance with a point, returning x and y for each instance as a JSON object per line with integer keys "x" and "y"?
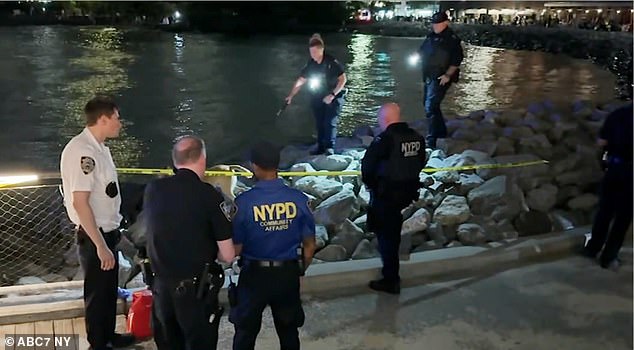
{"x": 326, "y": 79}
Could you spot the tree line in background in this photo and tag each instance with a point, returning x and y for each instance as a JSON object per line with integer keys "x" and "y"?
{"x": 214, "y": 15}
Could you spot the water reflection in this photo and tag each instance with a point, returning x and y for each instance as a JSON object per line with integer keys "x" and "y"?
{"x": 369, "y": 79}
{"x": 227, "y": 90}
{"x": 476, "y": 79}
{"x": 100, "y": 69}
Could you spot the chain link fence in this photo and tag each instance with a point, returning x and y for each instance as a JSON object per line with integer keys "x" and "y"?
{"x": 36, "y": 236}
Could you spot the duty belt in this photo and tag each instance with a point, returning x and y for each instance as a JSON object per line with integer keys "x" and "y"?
{"x": 270, "y": 263}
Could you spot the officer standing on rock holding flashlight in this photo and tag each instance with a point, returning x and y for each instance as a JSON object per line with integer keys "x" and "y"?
{"x": 326, "y": 79}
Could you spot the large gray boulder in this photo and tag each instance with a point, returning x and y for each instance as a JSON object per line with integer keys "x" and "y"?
{"x": 318, "y": 186}
{"x": 333, "y": 162}
{"x": 498, "y": 197}
{"x": 543, "y": 198}
{"x": 348, "y": 235}
{"x": 337, "y": 208}
{"x": 471, "y": 234}
{"x": 365, "y": 250}
{"x": 332, "y": 252}
{"x": 417, "y": 222}
{"x": 453, "y": 210}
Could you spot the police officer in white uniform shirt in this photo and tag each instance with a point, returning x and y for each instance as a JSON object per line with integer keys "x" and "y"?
{"x": 92, "y": 200}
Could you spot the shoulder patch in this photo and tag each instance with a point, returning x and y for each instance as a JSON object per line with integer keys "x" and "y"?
{"x": 87, "y": 164}
{"x": 229, "y": 209}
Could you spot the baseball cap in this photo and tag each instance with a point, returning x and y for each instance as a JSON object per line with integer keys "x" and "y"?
{"x": 266, "y": 155}
{"x": 439, "y": 17}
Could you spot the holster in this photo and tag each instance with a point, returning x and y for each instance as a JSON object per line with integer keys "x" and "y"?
{"x": 232, "y": 293}
{"x": 208, "y": 286}
{"x": 146, "y": 267}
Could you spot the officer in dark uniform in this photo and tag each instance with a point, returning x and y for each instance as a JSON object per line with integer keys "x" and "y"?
{"x": 326, "y": 80}
{"x": 615, "y": 204}
{"x": 390, "y": 170}
{"x": 441, "y": 55}
{"x": 271, "y": 222}
{"x": 188, "y": 227}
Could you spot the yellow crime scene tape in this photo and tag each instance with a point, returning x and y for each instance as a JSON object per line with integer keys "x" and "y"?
{"x": 142, "y": 171}
{"x": 12, "y": 181}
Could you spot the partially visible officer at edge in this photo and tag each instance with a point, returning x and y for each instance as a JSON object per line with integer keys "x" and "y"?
{"x": 326, "y": 80}
{"x": 390, "y": 170}
{"x": 614, "y": 215}
{"x": 188, "y": 227}
{"x": 441, "y": 55}
{"x": 92, "y": 199}
{"x": 270, "y": 223}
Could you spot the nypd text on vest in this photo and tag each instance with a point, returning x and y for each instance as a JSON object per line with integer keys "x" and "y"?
{"x": 275, "y": 216}
{"x": 410, "y": 149}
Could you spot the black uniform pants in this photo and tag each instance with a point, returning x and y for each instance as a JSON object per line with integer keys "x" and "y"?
{"x": 326, "y": 119}
{"x": 385, "y": 219}
{"x": 181, "y": 320}
{"x": 258, "y": 287}
{"x": 434, "y": 94}
{"x": 100, "y": 289}
{"x": 614, "y": 215}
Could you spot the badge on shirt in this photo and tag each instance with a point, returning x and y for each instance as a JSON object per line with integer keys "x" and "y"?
{"x": 228, "y": 209}
{"x": 87, "y": 164}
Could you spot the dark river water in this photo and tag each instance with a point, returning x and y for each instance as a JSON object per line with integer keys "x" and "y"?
{"x": 228, "y": 89}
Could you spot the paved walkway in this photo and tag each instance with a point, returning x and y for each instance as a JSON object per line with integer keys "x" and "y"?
{"x": 566, "y": 304}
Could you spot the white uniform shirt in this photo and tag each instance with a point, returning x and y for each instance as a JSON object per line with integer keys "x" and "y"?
{"x": 87, "y": 165}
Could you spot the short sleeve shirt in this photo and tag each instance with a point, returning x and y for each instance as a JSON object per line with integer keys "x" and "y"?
{"x": 271, "y": 220}
{"x": 322, "y": 77}
{"x": 87, "y": 166}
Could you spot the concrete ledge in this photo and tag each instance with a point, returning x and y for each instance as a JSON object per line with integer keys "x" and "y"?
{"x": 349, "y": 277}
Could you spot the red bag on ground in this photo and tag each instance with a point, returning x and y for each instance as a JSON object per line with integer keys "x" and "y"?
{"x": 139, "y": 321}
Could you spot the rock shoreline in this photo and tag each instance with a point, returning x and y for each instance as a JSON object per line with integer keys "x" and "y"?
{"x": 609, "y": 50}
{"x": 472, "y": 207}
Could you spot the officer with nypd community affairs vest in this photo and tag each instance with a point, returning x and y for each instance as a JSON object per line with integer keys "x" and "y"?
{"x": 441, "y": 55}
{"x": 390, "y": 170}
{"x": 272, "y": 221}
{"x": 188, "y": 228}
{"x": 93, "y": 200}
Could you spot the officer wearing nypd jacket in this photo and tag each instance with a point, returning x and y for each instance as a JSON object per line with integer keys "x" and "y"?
{"x": 92, "y": 201}
{"x": 390, "y": 170}
{"x": 270, "y": 223}
{"x": 441, "y": 55}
